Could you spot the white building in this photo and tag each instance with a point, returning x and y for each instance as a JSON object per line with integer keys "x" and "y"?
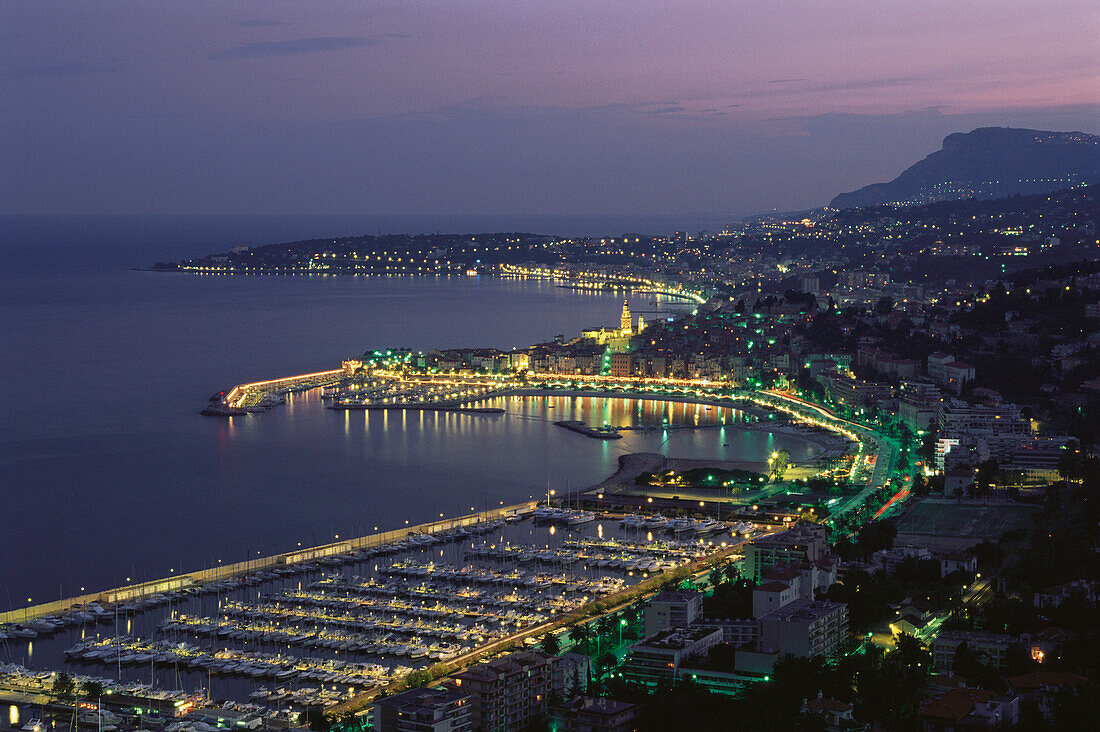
{"x": 805, "y": 628}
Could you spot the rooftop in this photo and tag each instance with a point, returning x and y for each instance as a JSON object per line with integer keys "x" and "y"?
{"x": 806, "y": 610}
{"x": 423, "y": 696}
{"x": 956, "y": 704}
{"x": 512, "y": 663}
{"x": 1041, "y": 679}
{"x": 676, "y": 638}
{"x": 676, "y": 596}
{"x": 596, "y": 705}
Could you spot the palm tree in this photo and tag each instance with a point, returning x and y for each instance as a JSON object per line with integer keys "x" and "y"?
{"x": 603, "y": 627}
{"x": 606, "y": 662}
{"x": 581, "y": 634}
{"x": 550, "y": 645}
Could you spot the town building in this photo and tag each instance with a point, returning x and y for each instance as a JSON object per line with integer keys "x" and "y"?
{"x": 964, "y": 709}
{"x": 887, "y": 560}
{"x": 805, "y": 628}
{"x": 993, "y": 647}
{"x": 1042, "y": 688}
{"x": 620, "y": 365}
{"x": 660, "y": 656}
{"x": 856, "y": 393}
{"x": 960, "y": 562}
{"x": 919, "y": 404}
{"x": 1054, "y": 596}
{"x": 802, "y": 543}
{"x": 672, "y": 609}
{"x": 835, "y": 713}
{"x": 737, "y": 632}
{"x": 427, "y": 709}
{"x": 509, "y": 692}
{"x": 593, "y": 714}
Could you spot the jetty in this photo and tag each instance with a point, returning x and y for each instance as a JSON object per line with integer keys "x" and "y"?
{"x": 419, "y": 407}
{"x": 148, "y": 592}
{"x": 259, "y": 396}
{"x": 596, "y": 433}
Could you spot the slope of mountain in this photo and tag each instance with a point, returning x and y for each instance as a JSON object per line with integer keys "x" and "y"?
{"x": 989, "y": 162}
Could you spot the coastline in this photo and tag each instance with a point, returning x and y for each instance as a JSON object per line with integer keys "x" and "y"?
{"x": 741, "y": 405}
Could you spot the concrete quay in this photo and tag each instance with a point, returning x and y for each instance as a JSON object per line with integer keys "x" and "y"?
{"x": 221, "y": 572}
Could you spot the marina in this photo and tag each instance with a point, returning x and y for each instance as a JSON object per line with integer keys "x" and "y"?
{"x": 337, "y": 624}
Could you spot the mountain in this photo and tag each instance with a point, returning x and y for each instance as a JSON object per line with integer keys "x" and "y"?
{"x": 990, "y": 162}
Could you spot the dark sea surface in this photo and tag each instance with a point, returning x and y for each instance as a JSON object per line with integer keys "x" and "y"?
{"x": 108, "y": 472}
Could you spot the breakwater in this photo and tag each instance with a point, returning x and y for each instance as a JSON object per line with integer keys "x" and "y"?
{"x": 421, "y": 407}
{"x": 228, "y": 571}
{"x": 583, "y": 429}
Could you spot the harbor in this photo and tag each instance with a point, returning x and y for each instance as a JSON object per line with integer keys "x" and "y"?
{"x": 348, "y": 620}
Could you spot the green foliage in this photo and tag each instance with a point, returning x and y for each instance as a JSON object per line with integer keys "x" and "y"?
{"x": 778, "y": 463}
{"x": 63, "y": 687}
{"x": 91, "y": 689}
{"x": 1076, "y": 708}
{"x": 730, "y": 599}
{"x": 317, "y": 721}
{"x": 550, "y": 645}
{"x": 581, "y": 634}
{"x": 418, "y": 678}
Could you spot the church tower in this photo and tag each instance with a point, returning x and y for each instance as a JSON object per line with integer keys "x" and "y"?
{"x": 625, "y": 321}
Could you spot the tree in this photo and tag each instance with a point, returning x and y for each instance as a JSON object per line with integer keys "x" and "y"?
{"x": 550, "y": 645}
{"x": 605, "y": 625}
{"x": 884, "y": 305}
{"x": 418, "y": 678}
{"x": 91, "y": 689}
{"x": 317, "y": 721}
{"x": 606, "y": 662}
{"x": 574, "y": 689}
{"x": 1071, "y": 462}
{"x": 985, "y": 477}
{"x": 894, "y": 690}
{"x": 1075, "y": 708}
{"x": 920, "y": 486}
{"x": 778, "y": 463}
{"x": 912, "y": 655}
{"x": 581, "y": 635}
{"x": 63, "y": 687}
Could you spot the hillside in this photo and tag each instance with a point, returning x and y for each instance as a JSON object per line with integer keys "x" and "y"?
{"x": 989, "y": 162}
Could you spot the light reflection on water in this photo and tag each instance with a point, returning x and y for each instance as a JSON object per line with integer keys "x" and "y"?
{"x": 135, "y": 481}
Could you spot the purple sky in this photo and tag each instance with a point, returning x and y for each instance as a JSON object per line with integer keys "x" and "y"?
{"x": 521, "y": 107}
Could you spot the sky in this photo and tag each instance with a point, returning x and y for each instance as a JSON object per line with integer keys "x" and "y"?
{"x": 524, "y": 107}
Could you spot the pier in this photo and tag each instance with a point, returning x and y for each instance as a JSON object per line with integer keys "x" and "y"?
{"x": 237, "y": 400}
{"x": 594, "y": 432}
{"x": 229, "y": 571}
{"x": 420, "y": 407}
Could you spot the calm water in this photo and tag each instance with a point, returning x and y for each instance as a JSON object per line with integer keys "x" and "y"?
{"x": 108, "y": 472}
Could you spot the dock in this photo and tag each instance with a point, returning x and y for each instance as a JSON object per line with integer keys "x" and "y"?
{"x": 227, "y": 572}
{"x": 588, "y": 431}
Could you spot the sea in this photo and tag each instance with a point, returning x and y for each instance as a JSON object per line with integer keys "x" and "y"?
{"x": 109, "y": 475}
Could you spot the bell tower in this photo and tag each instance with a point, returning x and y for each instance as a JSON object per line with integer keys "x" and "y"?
{"x": 625, "y": 321}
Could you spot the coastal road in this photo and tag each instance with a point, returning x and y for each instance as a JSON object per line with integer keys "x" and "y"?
{"x": 885, "y": 451}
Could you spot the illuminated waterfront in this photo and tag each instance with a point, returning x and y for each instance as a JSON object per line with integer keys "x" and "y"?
{"x": 110, "y": 473}
{"x": 323, "y": 630}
